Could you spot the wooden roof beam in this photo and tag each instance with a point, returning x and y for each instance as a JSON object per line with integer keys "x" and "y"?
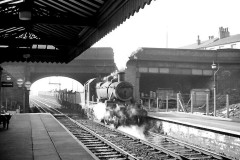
{"x": 24, "y": 42}
{"x": 13, "y": 20}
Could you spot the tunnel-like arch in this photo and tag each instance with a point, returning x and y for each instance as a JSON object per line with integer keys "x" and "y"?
{"x": 54, "y": 83}
{"x": 80, "y": 77}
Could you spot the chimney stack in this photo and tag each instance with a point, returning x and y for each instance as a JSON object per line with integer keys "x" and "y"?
{"x": 121, "y": 76}
{"x": 210, "y": 37}
{"x": 223, "y": 32}
{"x": 198, "y": 41}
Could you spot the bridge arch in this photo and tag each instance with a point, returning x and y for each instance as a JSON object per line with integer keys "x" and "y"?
{"x": 56, "y": 83}
{"x": 92, "y": 63}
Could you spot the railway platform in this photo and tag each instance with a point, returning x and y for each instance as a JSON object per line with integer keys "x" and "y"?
{"x": 217, "y": 124}
{"x": 39, "y": 137}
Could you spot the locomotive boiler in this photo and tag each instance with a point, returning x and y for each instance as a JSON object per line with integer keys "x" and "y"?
{"x": 117, "y": 96}
{"x": 114, "y": 90}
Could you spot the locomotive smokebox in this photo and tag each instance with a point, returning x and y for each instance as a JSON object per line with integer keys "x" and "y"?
{"x": 121, "y": 76}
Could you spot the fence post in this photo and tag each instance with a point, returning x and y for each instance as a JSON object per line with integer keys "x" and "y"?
{"x": 207, "y": 104}
{"x": 191, "y": 103}
{"x": 167, "y": 103}
{"x": 214, "y": 102}
{"x": 177, "y": 102}
{"x": 149, "y": 103}
{"x": 227, "y": 105}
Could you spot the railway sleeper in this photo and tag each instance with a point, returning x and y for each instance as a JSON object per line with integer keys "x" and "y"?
{"x": 85, "y": 136}
{"x": 191, "y": 153}
{"x": 98, "y": 147}
{"x": 90, "y": 140}
{"x": 185, "y": 150}
{"x": 176, "y": 148}
{"x": 102, "y": 150}
{"x": 162, "y": 156}
{"x": 110, "y": 156}
{"x": 106, "y": 153}
{"x": 90, "y": 145}
{"x": 168, "y": 145}
{"x": 202, "y": 158}
{"x": 77, "y": 133}
{"x": 197, "y": 156}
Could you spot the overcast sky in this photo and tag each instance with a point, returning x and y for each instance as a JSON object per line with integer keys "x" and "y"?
{"x": 172, "y": 24}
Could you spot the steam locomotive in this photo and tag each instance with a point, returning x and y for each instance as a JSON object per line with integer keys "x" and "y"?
{"x": 116, "y": 95}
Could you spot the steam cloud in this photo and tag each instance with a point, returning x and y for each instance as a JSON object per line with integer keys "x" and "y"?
{"x": 129, "y": 121}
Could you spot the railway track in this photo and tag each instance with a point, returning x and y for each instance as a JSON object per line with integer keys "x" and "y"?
{"x": 44, "y": 107}
{"x": 96, "y": 144}
{"x": 110, "y": 144}
{"x": 184, "y": 149}
{"x": 167, "y": 148}
{"x": 106, "y": 143}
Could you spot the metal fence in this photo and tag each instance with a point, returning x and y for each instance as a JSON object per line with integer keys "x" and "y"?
{"x": 226, "y": 106}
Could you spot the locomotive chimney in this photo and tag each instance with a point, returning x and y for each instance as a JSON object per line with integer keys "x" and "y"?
{"x": 109, "y": 78}
{"x": 121, "y": 76}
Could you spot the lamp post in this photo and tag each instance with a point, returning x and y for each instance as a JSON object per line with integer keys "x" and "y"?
{"x": 26, "y": 89}
{"x": 215, "y": 68}
{"x": 27, "y": 85}
{"x": 20, "y": 83}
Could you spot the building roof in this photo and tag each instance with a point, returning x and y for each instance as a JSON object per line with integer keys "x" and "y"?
{"x": 58, "y": 31}
{"x": 227, "y": 40}
{"x": 201, "y": 45}
{"x": 185, "y": 55}
{"x": 213, "y": 42}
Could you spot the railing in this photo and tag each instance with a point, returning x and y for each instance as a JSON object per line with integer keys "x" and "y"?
{"x": 190, "y": 103}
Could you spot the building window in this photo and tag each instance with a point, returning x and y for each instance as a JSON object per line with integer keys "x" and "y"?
{"x": 233, "y": 45}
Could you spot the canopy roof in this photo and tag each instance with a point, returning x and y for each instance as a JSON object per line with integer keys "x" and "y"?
{"x": 58, "y": 30}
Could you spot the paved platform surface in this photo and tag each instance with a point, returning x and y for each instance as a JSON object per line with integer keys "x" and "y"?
{"x": 39, "y": 137}
{"x": 225, "y": 125}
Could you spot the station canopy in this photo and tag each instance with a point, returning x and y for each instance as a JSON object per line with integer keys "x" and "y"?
{"x": 58, "y": 30}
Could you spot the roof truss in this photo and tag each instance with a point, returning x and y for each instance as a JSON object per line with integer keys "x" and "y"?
{"x": 68, "y": 26}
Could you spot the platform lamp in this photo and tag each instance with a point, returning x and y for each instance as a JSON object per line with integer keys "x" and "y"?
{"x": 215, "y": 69}
{"x": 25, "y": 11}
{"x": 25, "y": 15}
{"x": 20, "y": 82}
